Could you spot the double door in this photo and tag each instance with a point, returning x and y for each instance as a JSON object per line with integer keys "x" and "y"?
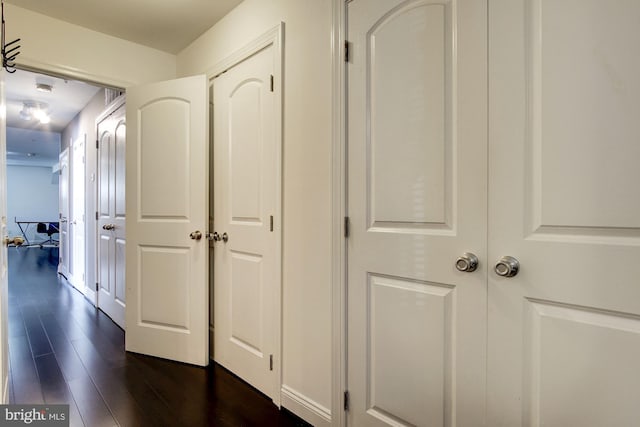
{"x": 503, "y": 133}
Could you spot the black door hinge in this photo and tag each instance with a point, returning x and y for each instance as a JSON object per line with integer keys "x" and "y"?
{"x": 97, "y": 217}
{"x": 271, "y": 223}
{"x": 347, "y": 226}
{"x": 272, "y": 83}
{"x": 346, "y": 400}
{"x": 97, "y": 286}
{"x": 271, "y": 362}
{"x": 97, "y": 144}
{"x": 347, "y": 52}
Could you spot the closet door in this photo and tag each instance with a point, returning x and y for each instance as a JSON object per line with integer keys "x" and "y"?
{"x": 416, "y": 202}
{"x": 564, "y": 332}
{"x": 111, "y": 215}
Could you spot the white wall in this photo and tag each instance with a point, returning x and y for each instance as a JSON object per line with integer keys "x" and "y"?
{"x": 307, "y": 181}
{"x": 30, "y": 197}
{"x": 85, "y": 124}
{"x": 54, "y": 45}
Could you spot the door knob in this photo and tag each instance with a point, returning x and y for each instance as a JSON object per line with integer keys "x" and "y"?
{"x": 508, "y": 266}
{"x": 225, "y": 237}
{"x": 468, "y": 262}
{"x": 16, "y": 241}
{"x": 108, "y": 226}
{"x": 196, "y": 235}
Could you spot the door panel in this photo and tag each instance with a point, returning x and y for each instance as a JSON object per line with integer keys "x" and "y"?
{"x": 167, "y": 201}
{"x": 111, "y": 214}
{"x": 416, "y": 202}
{"x": 246, "y": 190}
{"x": 563, "y": 201}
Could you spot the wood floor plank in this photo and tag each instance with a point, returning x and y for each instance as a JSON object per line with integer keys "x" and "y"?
{"x": 26, "y": 385}
{"x": 92, "y": 407}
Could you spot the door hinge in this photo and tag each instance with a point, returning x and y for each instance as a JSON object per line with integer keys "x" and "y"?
{"x": 271, "y": 223}
{"x": 97, "y": 286}
{"x": 346, "y": 400}
{"x": 271, "y": 362}
{"x": 347, "y": 226}
{"x": 97, "y": 215}
{"x": 97, "y": 144}
{"x": 272, "y": 83}
{"x": 347, "y": 49}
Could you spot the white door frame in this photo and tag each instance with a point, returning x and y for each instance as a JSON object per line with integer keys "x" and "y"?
{"x": 338, "y": 213}
{"x": 274, "y": 37}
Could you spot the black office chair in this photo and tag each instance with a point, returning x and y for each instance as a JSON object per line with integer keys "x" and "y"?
{"x": 49, "y": 229}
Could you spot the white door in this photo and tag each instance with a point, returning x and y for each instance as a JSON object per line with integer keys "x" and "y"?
{"x": 417, "y": 202}
{"x": 110, "y": 223}
{"x": 63, "y": 189}
{"x": 246, "y": 183}
{"x": 167, "y": 216}
{"x": 564, "y": 333}
{"x": 4, "y": 295}
{"x": 77, "y": 219}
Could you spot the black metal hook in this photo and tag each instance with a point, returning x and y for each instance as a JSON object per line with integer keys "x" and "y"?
{"x": 8, "y": 51}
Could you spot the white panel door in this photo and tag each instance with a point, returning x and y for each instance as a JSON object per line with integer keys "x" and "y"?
{"x": 77, "y": 219}
{"x": 417, "y": 196}
{"x": 246, "y": 200}
{"x": 63, "y": 192}
{"x": 110, "y": 224}
{"x": 167, "y": 215}
{"x": 564, "y": 333}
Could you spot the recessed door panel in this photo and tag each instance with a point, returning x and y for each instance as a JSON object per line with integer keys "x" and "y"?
{"x": 408, "y": 105}
{"x": 164, "y": 287}
{"x": 245, "y": 148}
{"x": 582, "y": 366}
{"x": 105, "y": 171}
{"x": 158, "y": 154}
{"x": 247, "y": 295}
{"x": 120, "y": 136}
{"x": 424, "y": 376}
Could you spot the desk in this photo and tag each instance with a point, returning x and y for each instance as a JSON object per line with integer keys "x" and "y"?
{"x": 24, "y": 227}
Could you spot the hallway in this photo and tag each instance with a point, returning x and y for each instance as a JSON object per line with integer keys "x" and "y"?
{"x": 63, "y": 350}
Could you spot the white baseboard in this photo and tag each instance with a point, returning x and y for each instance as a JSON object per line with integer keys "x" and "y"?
{"x": 310, "y": 411}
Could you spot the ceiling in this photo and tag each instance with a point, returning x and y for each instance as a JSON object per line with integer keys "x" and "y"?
{"x": 166, "y": 25}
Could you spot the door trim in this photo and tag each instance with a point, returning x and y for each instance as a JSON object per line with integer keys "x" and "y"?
{"x": 338, "y": 212}
{"x": 275, "y": 37}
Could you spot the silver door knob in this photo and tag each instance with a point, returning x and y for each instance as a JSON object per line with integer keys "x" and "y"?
{"x": 196, "y": 235}
{"x": 108, "y": 226}
{"x": 508, "y": 266}
{"x": 225, "y": 237}
{"x": 468, "y": 262}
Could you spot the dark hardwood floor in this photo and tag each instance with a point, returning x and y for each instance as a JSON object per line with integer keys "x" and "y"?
{"x": 64, "y": 350}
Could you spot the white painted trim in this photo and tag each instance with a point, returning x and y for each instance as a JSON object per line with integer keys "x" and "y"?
{"x": 338, "y": 212}
{"x": 307, "y": 409}
{"x": 275, "y": 37}
{"x": 59, "y": 70}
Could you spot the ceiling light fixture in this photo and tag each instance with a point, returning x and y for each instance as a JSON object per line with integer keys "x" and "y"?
{"x": 31, "y": 110}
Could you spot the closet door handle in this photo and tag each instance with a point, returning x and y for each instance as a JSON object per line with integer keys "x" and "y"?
{"x": 467, "y": 263}
{"x": 508, "y": 266}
